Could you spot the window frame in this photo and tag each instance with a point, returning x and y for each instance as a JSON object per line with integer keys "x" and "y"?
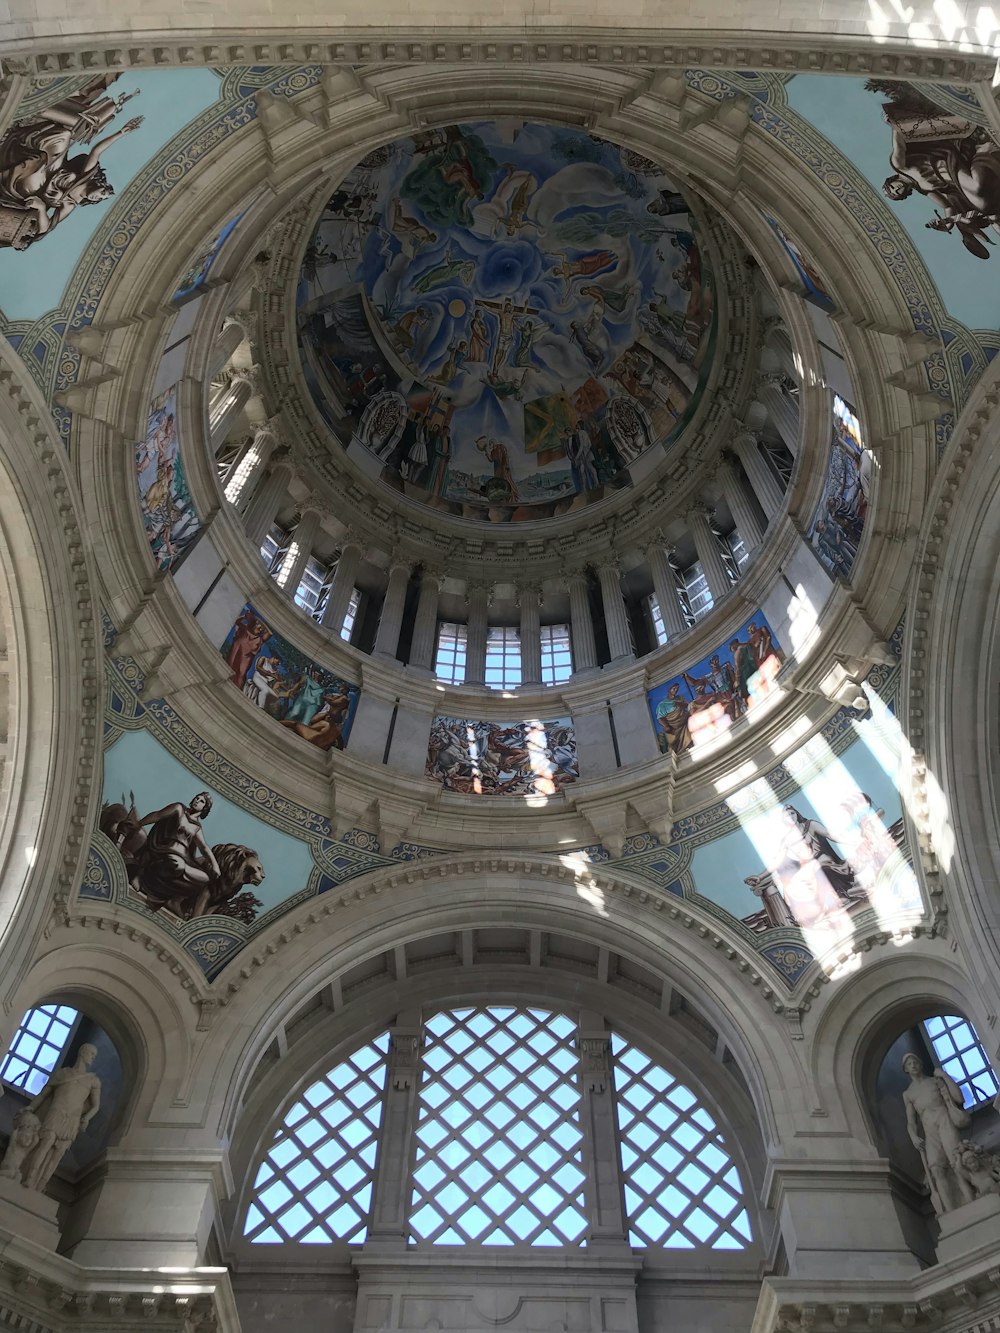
{"x": 456, "y": 647}
{"x": 509, "y": 669}
{"x": 551, "y": 652}
{"x": 32, "y": 1065}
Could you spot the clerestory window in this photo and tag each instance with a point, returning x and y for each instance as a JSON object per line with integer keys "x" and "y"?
{"x": 498, "y": 1152}
{"x": 961, "y": 1055}
{"x": 499, "y": 1157}
{"x": 38, "y": 1046}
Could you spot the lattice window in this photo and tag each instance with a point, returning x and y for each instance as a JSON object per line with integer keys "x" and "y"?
{"x": 499, "y": 1156}
{"x": 962, "y": 1056}
{"x": 314, "y": 1185}
{"x": 353, "y": 606}
{"x": 557, "y": 654}
{"x": 697, "y": 591}
{"x": 656, "y": 616}
{"x": 503, "y": 658}
{"x": 682, "y": 1189}
{"x": 313, "y": 586}
{"x": 37, "y": 1046}
{"x": 273, "y": 548}
{"x": 449, "y": 664}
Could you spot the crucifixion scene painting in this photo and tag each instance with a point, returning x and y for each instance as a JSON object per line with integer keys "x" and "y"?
{"x": 503, "y": 317}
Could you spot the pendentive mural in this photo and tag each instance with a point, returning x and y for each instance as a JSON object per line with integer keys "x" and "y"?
{"x": 813, "y": 288}
{"x": 838, "y": 524}
{"x": 194, "y": 279}
{"x": 287, "y": 685}
{"x": 477, "y": 757}
{"x": 168, "y": 512}
{"x": 504, "y": 317}
{"x": 707, "y": 698}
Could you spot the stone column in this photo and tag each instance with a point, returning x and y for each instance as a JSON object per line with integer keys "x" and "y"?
{"x": 581, "y": 624}
{"x": 387, "y": 1229}
{"x": 300, "y": 548}
{"x": 477, "y": 598}
{"x": 222, "y": 417}
{"x": 743, "y": 512}
{"x": 780, "y": 408}
{"x": 391, "y": 619}
{"x": 424, "y": 640}
{"x": 765, "y": 485}
{"x": 250, "y": 468}
{"x": 235, "y": 330}
{"x": 709, "y": 552}
{"x": 778, "y": 345}
{"x": 615, "y": 615}
{"x": 605, "y": 1201}
{"x": 344, "y": 577}
{"x": 529, "y": 599}
{"x": 263, "y": 508}
{"x": 665, "y": 587}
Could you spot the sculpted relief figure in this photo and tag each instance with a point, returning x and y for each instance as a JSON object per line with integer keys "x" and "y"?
{"x": 44, "y": 1130}
{"x": 935, "y": 1114}
{"x": 24, "y": 1136}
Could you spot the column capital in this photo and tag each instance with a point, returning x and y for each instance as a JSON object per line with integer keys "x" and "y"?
{"x": 431, "y": 574}
{"x": 699, "y": 510}
{"x": 611, "y": 563}
{"x": 244, "y": 319}
{"x": 478, "y": 589}
{"x": 527, "y": 590}
{"x": 399, "y": 562}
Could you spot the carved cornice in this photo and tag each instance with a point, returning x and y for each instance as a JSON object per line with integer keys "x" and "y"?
{"x": 715, "y": 51}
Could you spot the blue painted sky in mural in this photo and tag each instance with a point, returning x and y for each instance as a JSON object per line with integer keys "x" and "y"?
{"x": 140, "y": 764}
{"x": 32, "y": 281}
{"x": 720, "y": 867}
{"x": 851, "y": 118}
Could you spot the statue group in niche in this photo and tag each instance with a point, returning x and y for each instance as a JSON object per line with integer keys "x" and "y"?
{"x": 946, "y": 157}
{"x": 42, "y": 180}
{"x": 173, "y": 868}
{"x": 956, "y": 1169}
{"x": 482, "y": 758}
{"x": 45, "y": 1129}
{"x": 275, "y": 677}
{"x": 714, "y": 693}
{"x": 508, "y": 287}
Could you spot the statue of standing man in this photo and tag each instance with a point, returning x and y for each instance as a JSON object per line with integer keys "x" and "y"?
{"x": 935, "y": 1112}
{"x": 64, "y": 1108}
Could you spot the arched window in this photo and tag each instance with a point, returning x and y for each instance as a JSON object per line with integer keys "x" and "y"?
{"x": 961, "y": 1055}
{"x": 499, "y": 1156}
{"x": 315, "y": 1182}
{"x": 499, "y": 1152}
{"x": 682, "y": 1188}
{"x": 38, "y": 1046}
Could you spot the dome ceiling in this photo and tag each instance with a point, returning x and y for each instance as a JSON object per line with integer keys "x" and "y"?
{"x": 501, "y": 319}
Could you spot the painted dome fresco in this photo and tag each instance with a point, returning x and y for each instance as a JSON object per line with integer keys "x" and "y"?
{"x": 501, "y": 319}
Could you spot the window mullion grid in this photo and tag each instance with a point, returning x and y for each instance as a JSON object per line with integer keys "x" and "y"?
{"x": 511, "y": 1218}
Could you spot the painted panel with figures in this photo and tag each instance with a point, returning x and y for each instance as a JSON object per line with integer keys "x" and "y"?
{"x": 168, "y": 512}
{"x": 283, "y": 683}
{"x": 839, "y": 521}
{"x": 477, "y": 757}
{"x": 504, "y": 318}
{"x": 711, "y": 695}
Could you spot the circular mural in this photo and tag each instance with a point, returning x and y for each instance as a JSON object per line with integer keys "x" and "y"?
{"x": 500, "y": 319}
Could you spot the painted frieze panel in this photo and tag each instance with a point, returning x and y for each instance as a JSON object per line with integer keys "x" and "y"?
{"x": 476, "y": 757}
{"x": 305, "y": 698}
{"x": 725, "y": 686}
{"x": 839, "y": 521}
{"x": 168, "y": 512}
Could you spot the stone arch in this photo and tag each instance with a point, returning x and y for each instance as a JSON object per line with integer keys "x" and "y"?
{"x": 333, "y": 1035}
{"x": 48, "y": 708}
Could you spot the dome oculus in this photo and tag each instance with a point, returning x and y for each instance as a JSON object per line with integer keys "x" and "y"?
{"x": 501, "y": 319}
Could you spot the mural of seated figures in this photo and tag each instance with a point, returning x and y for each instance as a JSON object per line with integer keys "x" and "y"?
{"x": 707, "y": 698}
{"x": 476, "y": 757}
{"x": 288, "y": 686}
{"x": 168, "y": 512}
